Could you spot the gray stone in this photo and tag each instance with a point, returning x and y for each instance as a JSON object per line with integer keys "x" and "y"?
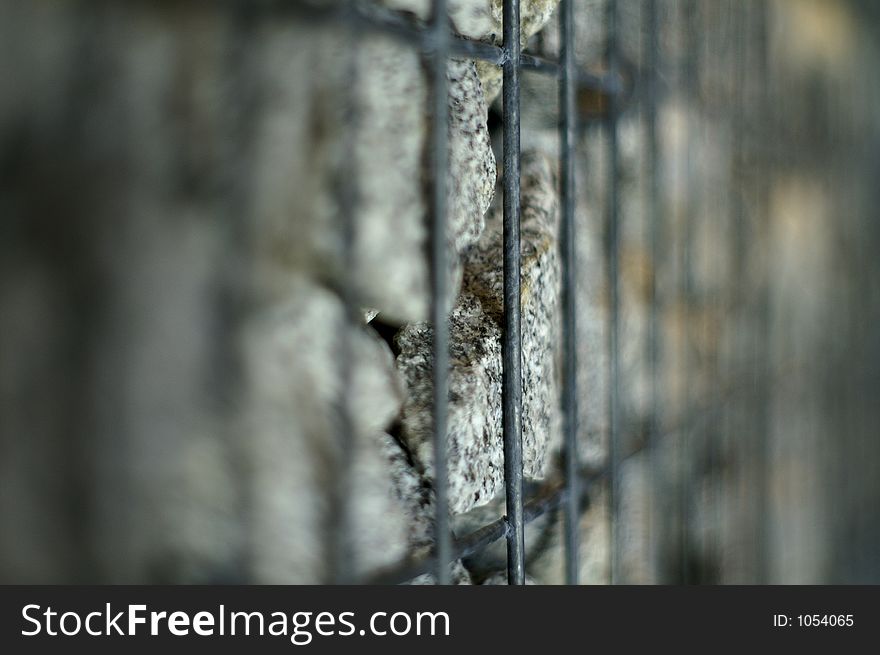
{"x": 474, "y": 428}
{"x": 336, "y": 124}
{"x": 294, "y": 383}
{"x": 416, "y": 496}
{"x": 270, "y": 480}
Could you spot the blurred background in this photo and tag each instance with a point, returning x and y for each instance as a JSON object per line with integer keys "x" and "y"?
{"x": 756, "y": 170}
{"x": 214, "y": 290}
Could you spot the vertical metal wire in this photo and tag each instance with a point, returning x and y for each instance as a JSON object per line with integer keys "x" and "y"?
{"x": 234, "y": 302}
{"x": 685, "y": 454}
{"x": 697, "y": 412}
{"x": 342, "y": 558}
{"x": 763, "y": 342}
{"x": 655, "y": 216}
{"x": 512, "y": 345}
{"x": 738, "y": 290}
{"x": 438, "y": 153}
{"x": 612, "y": 254}
{"x": 730, "y": 315}
{"x": 730, "y": 307}
{"x": 750, "y": 346}
{"x": 714, "y": 424}
{"x": 567, "y": 124}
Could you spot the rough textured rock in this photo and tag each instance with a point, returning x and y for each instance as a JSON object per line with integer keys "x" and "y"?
{"x": 416, "y": 496}
{"x": 540, "y": 132}
{"x": 472, "y": 162}
{"x": 363, "y": 124}
{"x": 474, "y": 437}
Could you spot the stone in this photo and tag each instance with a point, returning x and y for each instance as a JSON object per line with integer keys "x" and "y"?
{"x": 472, "y": 174}
{"x": 340, "y": 127}
{"x": 293, "y": 355}
{"x": 482, "y": 19}
{"x": 474, "y": 411}
{"x": 416, "y": 496}
{"x": 273, "y": 475}
{"x": 474, "y": 414}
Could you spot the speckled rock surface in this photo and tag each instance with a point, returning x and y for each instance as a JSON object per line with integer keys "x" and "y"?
{"x": 474, "y": 437}
{"x": 472, "y": 162}
{"x": 363, "y": 123}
